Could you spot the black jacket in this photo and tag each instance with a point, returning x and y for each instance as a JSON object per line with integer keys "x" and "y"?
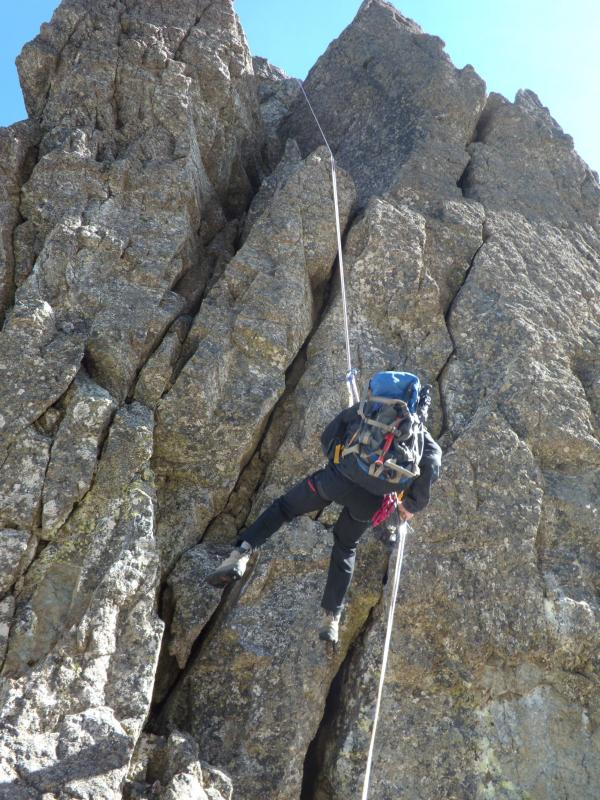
{"x": 416, "y": 497}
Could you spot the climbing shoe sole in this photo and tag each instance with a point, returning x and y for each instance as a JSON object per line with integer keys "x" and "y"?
{"x": 223, "y": 577}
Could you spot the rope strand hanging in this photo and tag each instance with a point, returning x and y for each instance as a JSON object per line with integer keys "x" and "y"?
{"x": 401, "y": 539}
{"x": 353, "y": 396}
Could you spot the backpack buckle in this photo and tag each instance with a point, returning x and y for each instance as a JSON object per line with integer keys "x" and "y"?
{"x": 337, "y": 453}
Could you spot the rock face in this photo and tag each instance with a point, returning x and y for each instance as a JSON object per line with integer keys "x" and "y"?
{"x": 144, "y": 139}
{"x": 394, "y": 107}
{"x": 172, "y": 346}
{"x": 249, "y": 329}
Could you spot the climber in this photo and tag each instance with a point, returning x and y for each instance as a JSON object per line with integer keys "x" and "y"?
{"x": 376, "y": 448}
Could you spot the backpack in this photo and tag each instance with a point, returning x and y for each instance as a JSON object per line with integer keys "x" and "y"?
{"x": 388, "y": 442}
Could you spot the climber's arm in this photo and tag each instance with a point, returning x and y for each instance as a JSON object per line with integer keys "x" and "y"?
{"x": 418, "y": 494}
{"x": 335, "y": 432}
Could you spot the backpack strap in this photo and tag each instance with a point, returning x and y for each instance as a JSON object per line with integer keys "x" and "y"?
{"x": 402, "y": 472}
{"x": 385, "y": 401}
{"x": 378, "y": 466}
{"x": 375, "y": 469}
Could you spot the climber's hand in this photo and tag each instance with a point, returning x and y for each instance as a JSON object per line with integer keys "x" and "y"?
{"x": 405, "y": 515}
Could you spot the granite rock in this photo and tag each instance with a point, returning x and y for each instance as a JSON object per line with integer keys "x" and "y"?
{"x": 194, "y": 601}
{"x": 7, "y": 610}
{"x": 172, "y": 345}
{"x": 181, "y": 773}
{"x": 552, "y": 184}
{"x": 274, "y": 673}
{"x": 14, "y": 546}
{"x": 75, "y": 452}
{"x": 150, "y": 135}
{"x": 83, "y": 646}
{"x": 525, "y": 338}
{"x": 22, "y": 480}
{"x": 397, "y": 113}
{"x": 17, "y": 156}
{"x": 250, "y": 327}
{"x": 277, "y": 93}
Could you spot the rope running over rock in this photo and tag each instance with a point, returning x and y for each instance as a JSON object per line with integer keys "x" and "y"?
{"x": 353, "y": 397}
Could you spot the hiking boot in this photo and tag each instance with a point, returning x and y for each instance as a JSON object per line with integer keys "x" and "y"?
{"x": 330, "y": 628}
{"x": 233, "y": 568}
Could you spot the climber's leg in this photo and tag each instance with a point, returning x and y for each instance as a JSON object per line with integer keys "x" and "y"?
{"x": 301, "y": 499}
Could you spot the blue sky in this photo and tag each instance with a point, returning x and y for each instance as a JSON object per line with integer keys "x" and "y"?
{"x": 551, "y": 47}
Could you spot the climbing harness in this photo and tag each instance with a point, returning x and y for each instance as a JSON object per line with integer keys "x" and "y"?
{"x": 401, "y": 539}
{"x": 353, "y": 396}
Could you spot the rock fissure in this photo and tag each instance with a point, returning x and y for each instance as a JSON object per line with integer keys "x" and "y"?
{"x": 110, "y": 150}
{"x": 313, "y": 770}
{"x": 195, "y": 297}
{"x": 249, "y": 483}
{"x": 10, "y": 287}
{"x": 156, "y": 346}
{"x": 540, "y": 545}
{"x": 592, "y": 396}
{"x": 187, "y": 349}
{"x": 156, "y": 722}
{"x": 275, "y": 429}
{"x": 252, "y": 476}
{"x": 40, "y": 546}
{"x": 448, "y": 312}
{"x": 20, "y": 154}
{"x": 439, "y": 378}
{"x": 195, "y": 24}
{"x": 59, "y": 61}
{"x": 101, "y": 444}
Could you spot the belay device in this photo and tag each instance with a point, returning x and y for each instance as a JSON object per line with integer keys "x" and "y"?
{"x": 388, "y": 443}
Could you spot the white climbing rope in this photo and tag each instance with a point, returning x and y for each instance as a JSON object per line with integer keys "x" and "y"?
{"x": 401, "y": 537}
{"x": 353, "y": 396}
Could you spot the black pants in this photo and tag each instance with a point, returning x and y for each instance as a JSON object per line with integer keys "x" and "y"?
{"x": 313, "y": 494}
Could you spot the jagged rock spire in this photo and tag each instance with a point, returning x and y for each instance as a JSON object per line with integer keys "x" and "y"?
{"x": 169, "y": 355}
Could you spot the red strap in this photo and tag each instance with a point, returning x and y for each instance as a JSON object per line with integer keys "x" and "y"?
{"x": 387, "y": 442}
